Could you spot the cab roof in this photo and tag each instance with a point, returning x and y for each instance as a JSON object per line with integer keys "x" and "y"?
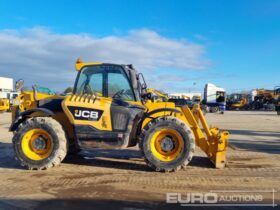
{"x": 80, "y": 64}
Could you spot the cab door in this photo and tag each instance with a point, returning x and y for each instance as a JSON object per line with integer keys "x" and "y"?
{"x": 100, "y": 110}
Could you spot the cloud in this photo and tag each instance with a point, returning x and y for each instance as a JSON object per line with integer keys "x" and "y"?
{"x": 200, "y": 37}
{"x": 41, "y": 56}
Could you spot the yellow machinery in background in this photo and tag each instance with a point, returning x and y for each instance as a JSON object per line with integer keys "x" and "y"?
{"x": 7, "y": 101}
{"x": 264, "y": 99}
{"x": 264, "y": 93}
{"x": 110, "y": 107}
{"x": 4, "y": 104}
{"x": 197, "y": 99}
{"x": 156, "y": 95}
{"x": 237, "y": 101}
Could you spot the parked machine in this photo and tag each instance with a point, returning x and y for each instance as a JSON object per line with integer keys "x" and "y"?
{"x": 7, "y": 100}
{"x": 7, "y": 94}
{"x": 157, "y": 95}
{"x": 277, "y": 99}
{"x": 109, "y": 108}
{"x": 263, "y": 99}
{"x": 197, "y": 99}
{"x": 188, "y": 99}
{"x": 4, "y": 104}
{"x": 215, "y": 98}
{"x": 238, "y": 101}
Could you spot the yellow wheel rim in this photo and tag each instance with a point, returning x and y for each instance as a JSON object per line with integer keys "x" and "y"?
{"x": 37, "y": 144}
{"x": 167, "y": 144}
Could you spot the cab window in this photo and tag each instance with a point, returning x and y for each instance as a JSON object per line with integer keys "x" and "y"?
{"x": 96, "y": 84}
{"x": 118, "y": 86}
{"x": 106, "y": 81}
{"x": 220, "y": 96}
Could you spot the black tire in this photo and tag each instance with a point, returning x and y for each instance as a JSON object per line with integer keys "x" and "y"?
{"x": 54, "y": 129}
{"x": 278, "y": 112}
{"x": 214, "y": 109}
{"x": 171, "y": 123}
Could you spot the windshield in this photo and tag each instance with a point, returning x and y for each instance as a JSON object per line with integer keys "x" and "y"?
{"x": 236, "y": 97}
{"x": 220, "y": 96}
{"x": 105, "y": 81}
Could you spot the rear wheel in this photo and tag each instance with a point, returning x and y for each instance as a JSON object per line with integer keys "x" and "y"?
{"x": 40, "y": 143}
{"x": 167, "y": 144}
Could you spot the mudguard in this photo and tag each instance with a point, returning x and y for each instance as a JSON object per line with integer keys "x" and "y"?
{"x": 23, "y": 115}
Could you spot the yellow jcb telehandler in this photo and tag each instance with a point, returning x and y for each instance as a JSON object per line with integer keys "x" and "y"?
{"x": 109, "y": 107}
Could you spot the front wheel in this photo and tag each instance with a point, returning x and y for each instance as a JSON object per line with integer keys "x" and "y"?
{"x": 278, "y": 112}
{"x": 40, "y": 143}
{"x": 167, "y": 144}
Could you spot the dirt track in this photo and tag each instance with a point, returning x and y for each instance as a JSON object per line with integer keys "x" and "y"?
{"x": 121, "y": 180}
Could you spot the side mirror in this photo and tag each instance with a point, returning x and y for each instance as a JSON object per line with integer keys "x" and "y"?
{"x": 19, "y": 84}
{"x": 143, "y": 82}
{"x": 34, "y": 87}
{"x": 144, "y": 86}
{"x": 147, "y": 96}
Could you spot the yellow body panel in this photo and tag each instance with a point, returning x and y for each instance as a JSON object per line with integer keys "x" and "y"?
{"x": 91, "y": 102}
{"x": 243, "y": 102}
{"x": 79, "y": 65}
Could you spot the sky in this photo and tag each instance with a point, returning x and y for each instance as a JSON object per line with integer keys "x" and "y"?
{"x": 179, "y": 45}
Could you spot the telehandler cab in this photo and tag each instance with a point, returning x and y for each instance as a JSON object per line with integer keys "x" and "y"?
{"x": 109, "y": 107}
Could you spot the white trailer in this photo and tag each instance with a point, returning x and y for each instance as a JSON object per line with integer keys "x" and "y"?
{"x": 6, "y": 84}
{"x": 4, "y": 94}
{"x": 6, "y": 89}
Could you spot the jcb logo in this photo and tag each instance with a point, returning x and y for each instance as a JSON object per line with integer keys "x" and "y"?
{"x": 82, "y": 113}
{"x": 86, "y": 114}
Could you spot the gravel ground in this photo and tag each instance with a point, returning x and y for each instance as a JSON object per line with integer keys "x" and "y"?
{"x": 114, "y": 179}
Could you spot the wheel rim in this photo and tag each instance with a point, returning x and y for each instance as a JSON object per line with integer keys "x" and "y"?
{"x": 37, "y": 144}
{"x": 167, "y": 144}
